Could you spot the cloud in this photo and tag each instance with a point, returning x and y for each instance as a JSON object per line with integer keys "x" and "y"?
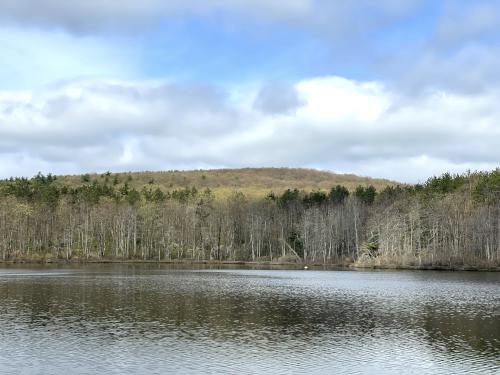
{"x": 411, "y": 44}
{"x": 469, "y": 70}
{"x": 277, "y": 98}
{"x": 458, "y": 51}
{"x": 342, "y": 125}
{"x": 95, "y": 16}
{"x": 467, "y": 22}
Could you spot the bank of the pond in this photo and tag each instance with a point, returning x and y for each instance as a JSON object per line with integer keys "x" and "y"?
{"x": 428, "y": 268}
{"x": 194, "y": 262}
{"x": 170, "y": 261}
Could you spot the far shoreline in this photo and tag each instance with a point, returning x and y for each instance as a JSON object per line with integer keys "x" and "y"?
{"x": 299, "y": 265}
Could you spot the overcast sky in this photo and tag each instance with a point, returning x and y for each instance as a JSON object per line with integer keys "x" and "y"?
{"x": 401, "y": 89}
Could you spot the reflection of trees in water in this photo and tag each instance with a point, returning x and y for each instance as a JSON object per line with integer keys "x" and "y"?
{"x": 461, "y": 332}
{"x": 218, "y": 313}
{"x": 135, "y": 305}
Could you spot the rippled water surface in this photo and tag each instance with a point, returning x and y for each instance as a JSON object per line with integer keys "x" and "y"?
{"x": 158, "y": 319}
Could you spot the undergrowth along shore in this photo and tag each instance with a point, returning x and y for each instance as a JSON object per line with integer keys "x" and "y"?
{"x": 257, "y": 263}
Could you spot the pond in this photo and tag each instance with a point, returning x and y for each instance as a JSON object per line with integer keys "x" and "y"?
{"x": 158, "y": 319}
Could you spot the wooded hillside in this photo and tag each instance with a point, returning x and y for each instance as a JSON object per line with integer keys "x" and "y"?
{"x": 253, "y": 182}
{"x": 450, "y": 221}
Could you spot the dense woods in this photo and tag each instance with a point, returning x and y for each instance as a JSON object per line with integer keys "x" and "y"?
{"x": 449, "y": 221}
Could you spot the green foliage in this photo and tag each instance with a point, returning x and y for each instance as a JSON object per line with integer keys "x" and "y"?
{"x": 155, "y": 196}
{"x": 18, "y": 187}
{"x": 338, "y": 194}
{"x": 390, "y": 194}
{"x": 184, "y": 195}
{"x": 314, "y": 198}
{"x": 39, "y": 189}
{"x": 289, "y": 197}
{"x": 366, "y": 195}
{"x": 445, "y": 183}
{"x": 42, "y": 180}
{"x": 124, "y": 190}
{"x": 488, "y": 187}
{"x": 271, "y": 197}
{"x": 85, "y": 178}
{"x": 133, "y": 197}
{"x": 106, "y": 175}
{"x": 91, "y": 193}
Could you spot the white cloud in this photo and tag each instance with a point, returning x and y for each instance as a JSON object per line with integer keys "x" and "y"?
{"x": 343, "y": 125}
{"x": 341, "y": 99}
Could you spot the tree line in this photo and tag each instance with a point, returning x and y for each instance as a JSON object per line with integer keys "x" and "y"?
{"x": 448, "y": 221}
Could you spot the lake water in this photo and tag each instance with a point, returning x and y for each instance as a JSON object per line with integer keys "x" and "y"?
{"x": 159, "y": 319}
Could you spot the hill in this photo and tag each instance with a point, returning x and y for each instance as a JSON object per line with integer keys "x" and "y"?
{"x": 253, "y": 182}
{"x": 449, "y": 221}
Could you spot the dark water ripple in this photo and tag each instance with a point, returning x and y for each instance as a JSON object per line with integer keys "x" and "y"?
{"x": 123, "y": 319}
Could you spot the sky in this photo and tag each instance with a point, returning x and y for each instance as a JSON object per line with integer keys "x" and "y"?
{"x": 400, "y": 89}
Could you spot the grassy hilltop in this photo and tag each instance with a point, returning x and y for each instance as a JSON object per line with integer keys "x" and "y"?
{"x": 253, "y": 182}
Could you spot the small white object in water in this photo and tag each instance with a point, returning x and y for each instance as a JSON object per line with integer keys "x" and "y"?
{"x": 306, "y": 268}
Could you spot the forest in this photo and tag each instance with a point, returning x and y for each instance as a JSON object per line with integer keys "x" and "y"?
{"x": 450, "y": 221}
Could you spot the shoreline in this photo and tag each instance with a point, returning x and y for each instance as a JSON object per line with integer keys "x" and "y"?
{"x": 190, "y": 262}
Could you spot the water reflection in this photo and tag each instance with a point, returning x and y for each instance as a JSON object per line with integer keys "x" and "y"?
{"x": 156, "y": 319}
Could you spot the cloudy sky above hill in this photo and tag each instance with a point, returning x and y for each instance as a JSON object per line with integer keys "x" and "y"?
{"x": 401, "y": 89}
